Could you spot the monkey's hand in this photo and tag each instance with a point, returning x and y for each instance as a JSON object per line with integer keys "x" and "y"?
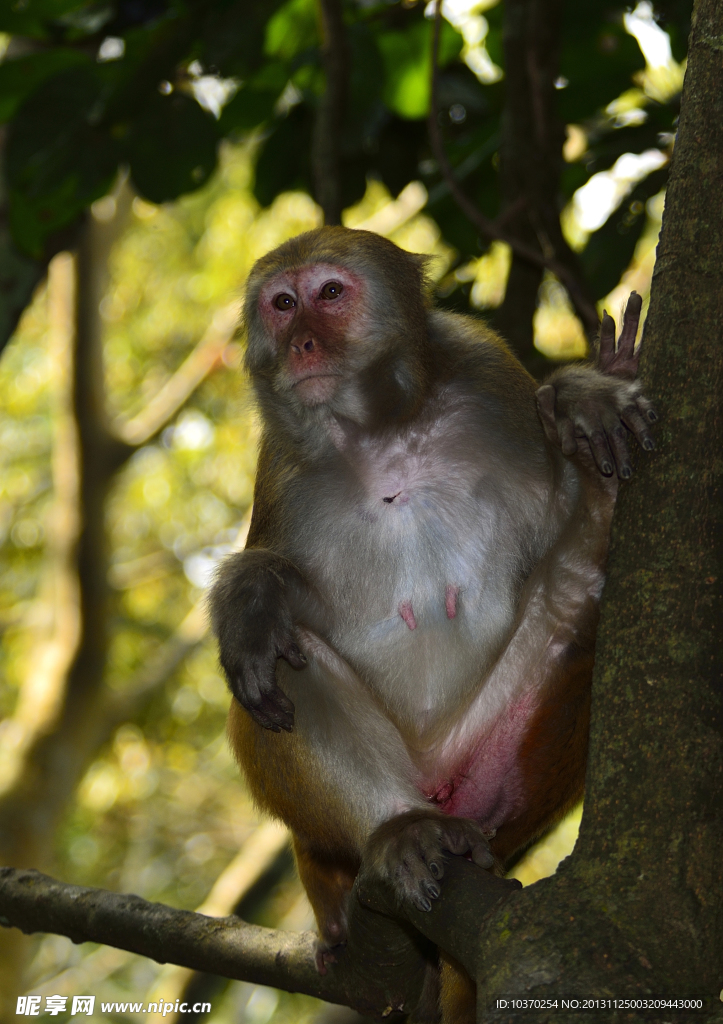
{"x": 408, "y": 853}
{"x": 252, "y": 621}
{"x": 598, "y": 406}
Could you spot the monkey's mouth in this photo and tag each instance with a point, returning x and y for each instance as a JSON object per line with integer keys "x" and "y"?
{"x": 314, "y": 376}
{"x": 316, "y": 387}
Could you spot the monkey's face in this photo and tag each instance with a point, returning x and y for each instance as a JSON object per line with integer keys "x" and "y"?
{"x": 314, "y": 319}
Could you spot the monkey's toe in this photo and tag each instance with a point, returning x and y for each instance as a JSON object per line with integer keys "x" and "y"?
{"x": 326, "y": 954}
{"x": 409, "y": 852}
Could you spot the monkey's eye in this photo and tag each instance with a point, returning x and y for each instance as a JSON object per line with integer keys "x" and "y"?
{"x": 284, "y": 301}
{"x": 331, "y": 290}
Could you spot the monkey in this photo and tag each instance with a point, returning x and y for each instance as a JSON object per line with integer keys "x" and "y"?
{"x": 408, "y": 635}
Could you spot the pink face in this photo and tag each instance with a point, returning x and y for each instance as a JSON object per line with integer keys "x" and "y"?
{"x": 311, "y": 313}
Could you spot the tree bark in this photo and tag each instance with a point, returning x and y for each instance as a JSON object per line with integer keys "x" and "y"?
{"x": 637, "y": 910}
{"x": 327, "y": 128}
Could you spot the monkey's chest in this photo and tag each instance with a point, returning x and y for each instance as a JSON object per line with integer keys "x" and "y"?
{"x": 419, "y": 577}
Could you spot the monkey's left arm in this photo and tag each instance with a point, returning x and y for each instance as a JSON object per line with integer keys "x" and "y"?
{"x": 601, "y": 403}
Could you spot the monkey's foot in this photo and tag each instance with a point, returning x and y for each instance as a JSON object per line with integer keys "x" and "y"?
{"x": 327, "y": 954}
{"x": 408, "y": 853}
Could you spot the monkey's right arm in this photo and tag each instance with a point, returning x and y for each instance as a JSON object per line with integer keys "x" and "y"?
{"x": 250, "y": 613}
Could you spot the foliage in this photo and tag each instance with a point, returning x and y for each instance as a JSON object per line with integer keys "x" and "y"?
{"x": 214, "y": 101}
{"x": 161, "y": 809}
{"x": 156, "y": 85}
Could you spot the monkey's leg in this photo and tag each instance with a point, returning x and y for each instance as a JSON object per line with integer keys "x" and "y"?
{"x": 341, "y": 772}
{"x": 327, "y": 881}
{"x": 516, "y": 761}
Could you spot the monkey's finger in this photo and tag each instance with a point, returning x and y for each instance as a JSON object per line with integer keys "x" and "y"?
{"x": 268, "y": 705}
{"x": 468, "y": 838}
{"x": 413, "y": 882}
{"x": 558, "y": 429}
{"x": 430, "y": 846}
{"x": 607, "y": 341}
{"x": 631, "y": 318}
{"x": 647, "y": 409}
{"x": 600, "y": 450}
{"x": 637, "y": 426}
{"x": 263, "y": 721}
{"x": 566, "y": 429}
{"x": 617, "y": 440}
{"x": 291, "y": 652}
{"x": 482, "y": 855}
{"x": 277, "y": 706}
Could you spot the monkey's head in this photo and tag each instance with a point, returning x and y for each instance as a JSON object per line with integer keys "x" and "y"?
{"x": 336, "y": 320}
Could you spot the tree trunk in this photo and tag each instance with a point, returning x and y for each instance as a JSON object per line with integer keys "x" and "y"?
{"x": 637, "y": 910}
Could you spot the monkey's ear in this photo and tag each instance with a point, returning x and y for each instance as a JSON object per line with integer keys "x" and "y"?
{"x": 424, "y": 264}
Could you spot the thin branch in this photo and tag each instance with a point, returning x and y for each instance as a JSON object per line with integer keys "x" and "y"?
{"x": 383, "y": 968}
{"x": 493, "y": 229}
{"x": 397, "y": 212}
{"x": 255, "y": 858}
{"x": 327, "y": 128}
{"x": 227, "y": 947}
{"x": 118, "y": 707}
{"x": 176, "y": 391}
{"x": 41, "y": 697}
{"x": 263, "y": 847}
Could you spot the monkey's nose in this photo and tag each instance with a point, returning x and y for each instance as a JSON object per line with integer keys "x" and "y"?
{"x": 307, "y": 346}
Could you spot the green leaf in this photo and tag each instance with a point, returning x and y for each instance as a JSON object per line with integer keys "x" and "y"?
{"x": 284, "y": 163}
{"x": 598, "y": 59}
{"x": 22, "y": 76}
{"x": 234, "y": 36}
{"x": 365, "y": 113}
{"x": 292, "y": 29}
{"x": 19, "y": 274}
{"x": 171, "y": 147}
{"x": 248, "y": 109}
{"x": 58, "y": 157}
{"x": 35, "y": 17}
{"x": 407, "y": 61}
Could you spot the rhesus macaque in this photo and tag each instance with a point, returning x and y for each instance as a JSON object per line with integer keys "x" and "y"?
{"x": 409, "y": 633}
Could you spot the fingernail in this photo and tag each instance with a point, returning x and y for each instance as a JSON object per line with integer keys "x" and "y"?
{"x": 606, "y": 468}
{"x": 648, "y": 444}
{"x": 652, "y": 416}
{"x": 626, "y": 472}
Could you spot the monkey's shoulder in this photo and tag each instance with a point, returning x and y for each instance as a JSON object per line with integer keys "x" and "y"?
{"x": 477, "y": 353}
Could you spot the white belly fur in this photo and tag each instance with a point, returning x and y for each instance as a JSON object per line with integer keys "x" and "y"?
{"x": 448, "y": 525}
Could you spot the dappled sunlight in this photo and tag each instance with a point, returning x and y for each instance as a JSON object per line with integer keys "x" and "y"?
{"x": 401, "y": 221}
{"x": 558, "y": 332}
{"x": 543, "y": 858}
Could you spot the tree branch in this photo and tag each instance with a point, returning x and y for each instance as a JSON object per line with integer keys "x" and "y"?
{"x": 327, "y": 127}
{"x": 41, "y": 695}
{"x": 226, "y": 946}
{"x": 383, "y": 969}
{"x": 494, "y": 230}
{"x": 140, "y": 429}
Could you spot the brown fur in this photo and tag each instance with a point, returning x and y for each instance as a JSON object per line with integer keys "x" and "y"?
{"x": 402, "y": 458}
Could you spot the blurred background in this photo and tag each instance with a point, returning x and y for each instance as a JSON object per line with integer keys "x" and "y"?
{"x": 151, "y": 152}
